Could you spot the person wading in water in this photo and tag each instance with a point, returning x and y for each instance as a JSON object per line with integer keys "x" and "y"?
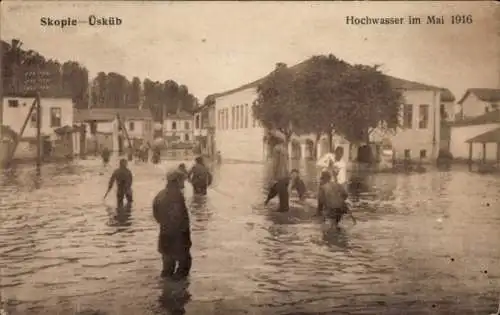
{"x": 279, "y": 177}
{"x": 123, "y": 177}
{"x": 200, "y": 177}
{"x": 174, "y": 241}
{"x": 105, "y": 154}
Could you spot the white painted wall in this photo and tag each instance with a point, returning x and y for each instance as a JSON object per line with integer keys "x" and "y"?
{"x": 416, "y": 139}
{"x": 472, "y": 106}
{"x": 246, "y": 143}
{"x": 180, "y": 129}
{"x": 14, "y": 117}
{"x": 242, "y": 144}
{"x": 460, "y": 149}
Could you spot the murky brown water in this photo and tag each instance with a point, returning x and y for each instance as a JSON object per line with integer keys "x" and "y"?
{"x": 424, "y": 244}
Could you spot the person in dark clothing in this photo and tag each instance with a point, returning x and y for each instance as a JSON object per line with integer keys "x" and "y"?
{"x": 183, "y": 170}
{"x": 123, "y": 178}
{"x": 298, "y": 184}
{"x": 174, "y": 241}
{"x": 105, "y": 154}
{"x": 332, "y": 198}
{"x": 156, "y": 156}
{"x": 279, "y": 177}
{"x": 200, "y": 177}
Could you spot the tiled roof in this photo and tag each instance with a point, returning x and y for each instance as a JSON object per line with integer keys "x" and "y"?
{"x": 492, "y": 136}
{"x": 488, "y": 118}
{"x": 108, "y": 114}
{"x": 486, "y": 95}
{"x": 180, "y": 116}
{"x": 397, "y": 83}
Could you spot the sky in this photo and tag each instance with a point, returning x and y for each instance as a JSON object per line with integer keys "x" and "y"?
{"x": 216, "y": 46}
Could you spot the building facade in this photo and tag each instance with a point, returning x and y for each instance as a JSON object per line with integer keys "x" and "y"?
{"x": 56, "y": 115}
{"x": 464, "y": 130}
{"x": 178, "y": 128}
{"x": 204, "y": 128}
{"x": 104, "y": 127}
{"x": 239, "y": 136}
{"x": 478, "y": 101}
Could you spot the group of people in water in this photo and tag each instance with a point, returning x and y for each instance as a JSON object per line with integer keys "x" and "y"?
{"x": 169, "y": 210}
{"x": 332, "y": 192}
{"x": 171, "y": 213}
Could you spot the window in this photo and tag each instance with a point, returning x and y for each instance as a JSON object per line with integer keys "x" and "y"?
{"x": 232, "y": 118}
{"x": 55, "y": 117}
{"x": 197, "y": 122}
{"x": 237, "y": 109}
{"x": 242, "y": 116}
{"x": 444, "y": 114}
{"x": 407, "y": 116}
{"x": 407, "y": 154}
{"x": 423, "y": 154}
{"x": 13, "y": 103}
{"x": 227, "y": 118}
{"x": 246, "y": 115}
{"x": 486, "y": 109}
{"x": 494, "y": 107}
{"x": 423, "y": 121}
{"x": 186, "y": 137}
{"x": 174, "y": 125}
{"x": 131, "y": 126}
{"x": 186, "y": 125}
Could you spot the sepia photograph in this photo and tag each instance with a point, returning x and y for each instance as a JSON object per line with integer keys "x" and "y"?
{"x": 249, "y": 157}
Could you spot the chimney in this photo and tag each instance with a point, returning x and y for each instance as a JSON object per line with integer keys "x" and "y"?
{"x": 280, "y": 65}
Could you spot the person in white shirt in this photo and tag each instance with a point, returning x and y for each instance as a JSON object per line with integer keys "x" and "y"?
{"x": 341, "y": 166}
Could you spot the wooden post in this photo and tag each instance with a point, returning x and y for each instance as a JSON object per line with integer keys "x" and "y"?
{"x": 16, "y": 141}
{"x": 38, "y": 131}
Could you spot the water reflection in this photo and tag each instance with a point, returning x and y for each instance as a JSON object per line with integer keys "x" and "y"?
{"x": 120, "y": 216}
{"x": 174, "y": 297}
{"x": 336, "y": 238}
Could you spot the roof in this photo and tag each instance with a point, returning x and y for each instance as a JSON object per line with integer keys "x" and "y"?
{"x": 488, "y": 118}
{"x": 180, "y": 115}
{"x": 108, "y": 114}
{"x": 398, "y": 83}
{"x": 486, "y": 95}
{"x": 492, "y": 136}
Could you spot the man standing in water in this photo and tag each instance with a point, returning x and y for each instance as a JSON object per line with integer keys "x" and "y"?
{"x": 279, "y": 176}
{"x": 105, "y": 154}
{"x": 174, "y": 242}
{"x": 200, "y": 177}
{"x": 123, "y": 177}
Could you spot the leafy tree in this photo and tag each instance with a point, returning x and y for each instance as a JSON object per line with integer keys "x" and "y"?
{"x": 276, "y": 105}
{"x": 367, "y": 101}
{"x": 135, "y": 92}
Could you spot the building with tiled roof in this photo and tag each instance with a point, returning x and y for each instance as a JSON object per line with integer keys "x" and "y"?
{"x": 477, "y": 101}
{"x": 239, "y": 136}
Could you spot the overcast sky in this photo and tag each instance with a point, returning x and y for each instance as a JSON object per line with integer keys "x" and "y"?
{"x": 215, "y": 46}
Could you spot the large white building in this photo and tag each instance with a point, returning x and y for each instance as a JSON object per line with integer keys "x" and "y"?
{"x": 239, "y": 136}
{"x": 56, "y": 113}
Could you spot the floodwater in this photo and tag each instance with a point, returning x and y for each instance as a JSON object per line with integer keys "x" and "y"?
{"x": 425, "y": 243}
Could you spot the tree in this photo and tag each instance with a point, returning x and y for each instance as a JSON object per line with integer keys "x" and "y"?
{"x": 135, "y": 92}
{"x": 275, "y": 105}
{"x": 326, "y": 95}
{"x": 367, "y": 101}
{"x": 317, "y": 94}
